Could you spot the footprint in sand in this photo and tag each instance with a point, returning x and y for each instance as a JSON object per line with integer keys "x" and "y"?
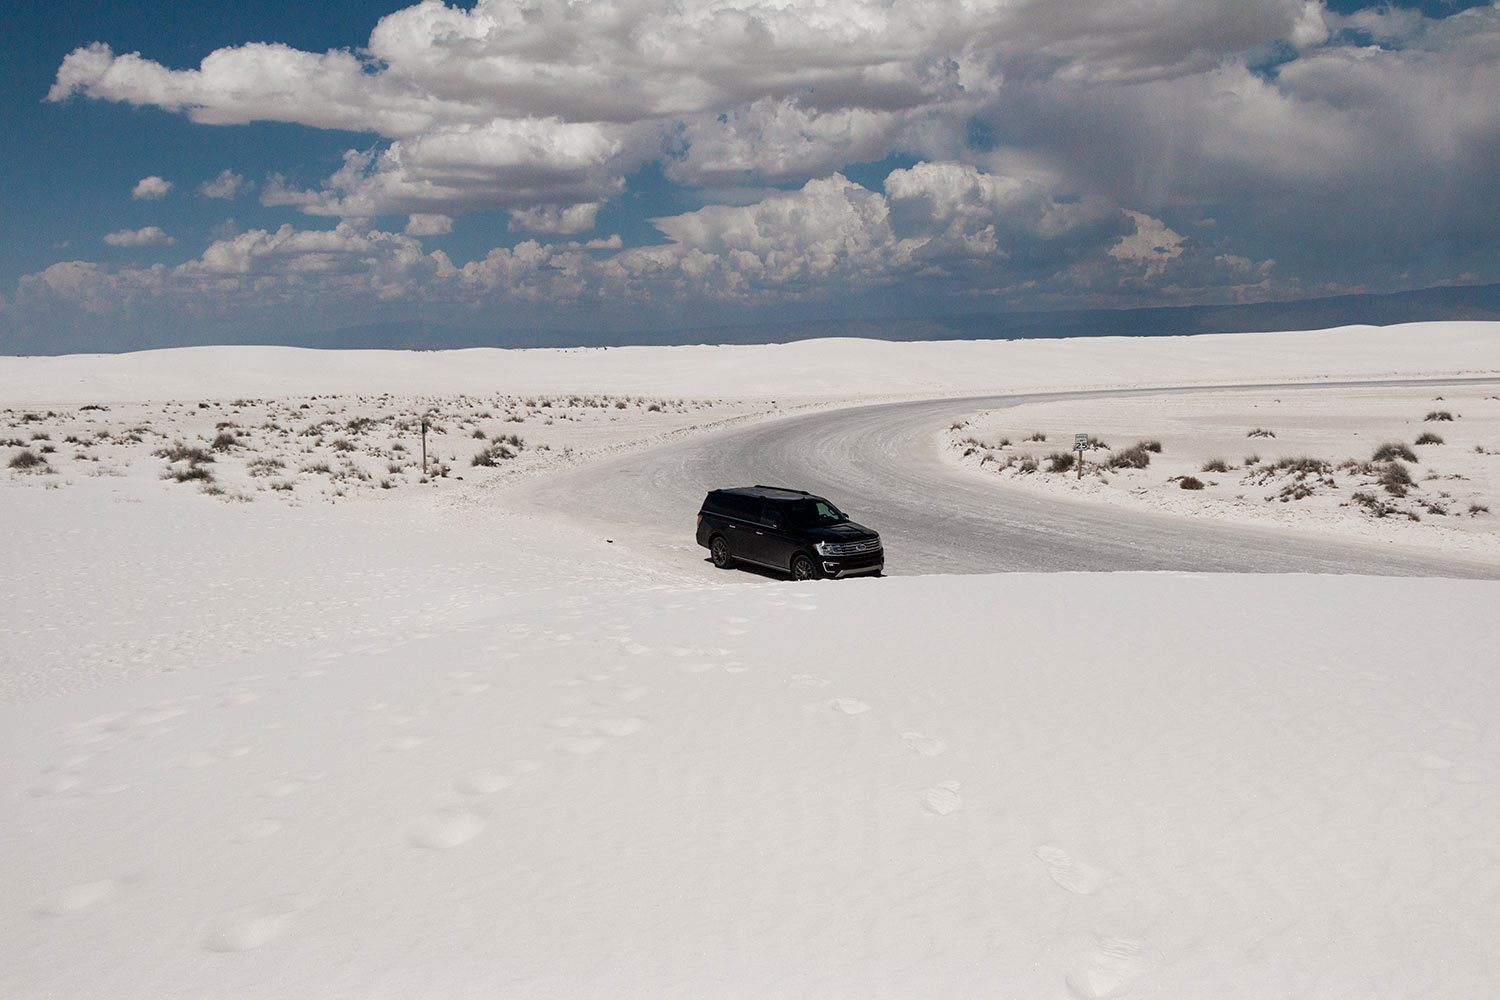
{"x": 256, "y": 829}
{"x": 942, "y": 798}
{"x": 247, "y": 927}
{"x": 925, "y": 745}
{"x": 1107, "y": 967}
{"x": 848, "y": 706}
{"x": 1073, "y": 875}
{"x": 484, "y": 781}
{"x": 291, "y": 784}
{"x": 78, "y": 898}
{"x": 56, "y": 783}
{"x": 445, "y": 828}
{"x": 624, "y": 726}
{"x": 579, "y": 746}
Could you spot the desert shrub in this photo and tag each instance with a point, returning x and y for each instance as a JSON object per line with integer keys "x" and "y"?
{"x": 1094, "y": 444}
{"x": 1026, "y": 463}
{"x": 1428, "y": 438}
{"x": 1213, "y": 465}
{"x": 1060, "y": 461}
{"x": 1137, "y": 456}
{"x": 1373, "y": 505}
{"x": 189, "y": 473}
{"x": 41, "y": 436}
{"x": 1304, "y": 465}
{"x": 179, "y": 452}
{"x": 1151, "y": 445}
{"x": 1036, "y": 436}
{"x": 1438, "y": 415}
{"x": 478, "y": 434}
{"x": 263, "y": 466}
{"x": 958, "y": 425}
{"x": 358, "y": 425}
{"x": 319, "y": 466}
{"x": 1392, "y": 450}
{"x": 25, "y": 461}
{"x": 498, "y": 451}
{"x": 654, "y": 408}
{"x": 1003, "y": 443}
{"x": 224, "y": 440}
{"x": 342, "y": 444}
{"x": 283, "y": 485}
{"x": 1261, "y": 432}
{"x": 1479, "y": 508}
{"x": 1190, "y": 483}
{"x": 620, "y": 404}
{"x": 1396, "y": 478}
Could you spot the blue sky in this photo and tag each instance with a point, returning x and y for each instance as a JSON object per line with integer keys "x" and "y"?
{"x": 192, "y": 173}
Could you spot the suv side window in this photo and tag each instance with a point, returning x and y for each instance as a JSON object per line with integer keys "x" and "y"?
{"x": 772, "y": 516}
{"x": 734, "y": 505}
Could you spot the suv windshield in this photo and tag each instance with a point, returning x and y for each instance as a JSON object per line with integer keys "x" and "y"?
{"x": 812, "y": 513}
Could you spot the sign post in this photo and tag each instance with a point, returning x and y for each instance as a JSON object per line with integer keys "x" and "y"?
{"x": 1080, "y": 442}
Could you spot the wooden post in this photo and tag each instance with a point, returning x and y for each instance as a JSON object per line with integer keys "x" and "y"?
{"x": 424, "y": 447}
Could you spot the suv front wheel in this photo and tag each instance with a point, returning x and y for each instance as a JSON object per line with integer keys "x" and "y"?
{"x": 718, "y": 549}
{"x": 803, "y": 568}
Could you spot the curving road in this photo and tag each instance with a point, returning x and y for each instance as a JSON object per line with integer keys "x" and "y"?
{"x": 881, "y": 463}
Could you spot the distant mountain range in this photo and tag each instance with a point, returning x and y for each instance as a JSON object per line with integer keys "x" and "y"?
{"x": 1463, "y": 302}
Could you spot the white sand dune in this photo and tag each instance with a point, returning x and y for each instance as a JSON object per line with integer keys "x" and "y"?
{"x": 345, "y": 741}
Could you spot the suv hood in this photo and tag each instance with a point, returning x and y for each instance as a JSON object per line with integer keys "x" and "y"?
{"x": 846, "y": 532}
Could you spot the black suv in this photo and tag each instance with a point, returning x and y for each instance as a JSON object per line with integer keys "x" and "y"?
{"x": 786, "y": 530}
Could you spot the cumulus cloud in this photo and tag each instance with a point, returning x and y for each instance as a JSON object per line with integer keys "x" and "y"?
{"x": 555, "y": 219}
{"x": 227, "y": 185}
{"x": 512, "y": 105}
{"x": 1151, "y": 246}
{"x": 948, "y": 226}
{"x": 150, "y": 188}
{"x": 151, "y": 236}
{"x": 429, "y": 225}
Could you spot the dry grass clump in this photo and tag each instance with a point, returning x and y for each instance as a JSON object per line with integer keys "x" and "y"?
{"x": 1439, "y": 415}
{"x": 1261, "y": 432}
{"x": 1396, "y": 478}
{"x": 1392, "y": 450}
{"x": 264, "y": 466}
{"x": 1212, "y": 465}
{"x": 180, "y": 452}
{"x": 1429, "y": 438}
{"x": 501, "y": 449}
{"x": 1137, "y": 456}
{"x": 28, "y": 461}
{"x": 1060, "y": 461}
{"x": 1190, "y": 483}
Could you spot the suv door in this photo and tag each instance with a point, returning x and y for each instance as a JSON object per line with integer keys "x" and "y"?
{"x": 773, "y": 538}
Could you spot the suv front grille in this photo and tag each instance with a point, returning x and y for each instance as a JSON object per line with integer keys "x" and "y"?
{"x": 852, "y": 548}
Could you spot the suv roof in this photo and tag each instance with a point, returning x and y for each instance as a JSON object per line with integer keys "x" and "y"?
{"x": 767, "y": 492}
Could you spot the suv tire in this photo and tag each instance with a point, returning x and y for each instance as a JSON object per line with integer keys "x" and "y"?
{"x": 718, "y": 549}
{"x": 803, "y": 568}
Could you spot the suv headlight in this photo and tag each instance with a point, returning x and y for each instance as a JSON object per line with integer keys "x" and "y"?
{"x": 825, "y": 548}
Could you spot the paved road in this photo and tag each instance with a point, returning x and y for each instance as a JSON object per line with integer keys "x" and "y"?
{"x": 879, "y": 463}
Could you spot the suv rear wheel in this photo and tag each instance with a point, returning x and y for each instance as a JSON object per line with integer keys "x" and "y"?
{"x": 718, "y": 549}
{"x": 803, "y": 568}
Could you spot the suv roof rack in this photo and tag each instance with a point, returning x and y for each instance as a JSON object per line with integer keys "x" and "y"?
{"x": 784, "y": 489}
